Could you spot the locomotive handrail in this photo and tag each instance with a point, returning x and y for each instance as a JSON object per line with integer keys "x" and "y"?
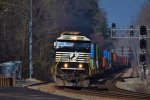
{"x": 56, "y": 65}
{"x": 89, "y": 68}
{"x": 54, "y": 70}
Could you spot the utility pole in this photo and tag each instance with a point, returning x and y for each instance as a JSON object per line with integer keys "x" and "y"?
{"x": 30, "y": 42}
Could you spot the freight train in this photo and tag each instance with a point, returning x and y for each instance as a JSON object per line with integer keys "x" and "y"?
{"x": 77, "y": 57}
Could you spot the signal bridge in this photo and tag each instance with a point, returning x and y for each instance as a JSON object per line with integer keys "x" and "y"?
{"x": 142, "y": 33}
{"x": 127, "y": 33}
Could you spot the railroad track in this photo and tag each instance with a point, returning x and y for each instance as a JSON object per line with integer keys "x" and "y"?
{"x": 110, "y": 90}
{"x": 38, "y": 84}
{"x": 128, "y": 95}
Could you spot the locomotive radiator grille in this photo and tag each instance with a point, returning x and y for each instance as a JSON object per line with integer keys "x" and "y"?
{"x": 72, "y": 57}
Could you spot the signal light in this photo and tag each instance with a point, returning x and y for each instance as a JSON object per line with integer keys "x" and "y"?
{"x": 129, "y": 49}
{"x": 143, "y": 30}
{"x": 143, "y": 44}
{"x": 113, "y": 25}
{"x": 131, "y": 26}
{"x": 142, "y": 57}
{"x": 131, "y": 33}
{"x": 113, "y": 33}
{"x": 122, "y": 49}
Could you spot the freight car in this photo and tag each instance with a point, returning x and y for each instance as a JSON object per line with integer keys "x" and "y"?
{"x": 77, "y": 57}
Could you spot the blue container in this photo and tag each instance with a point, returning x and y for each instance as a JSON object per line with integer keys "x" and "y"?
{"x": 92, "y": 51}
{"x": 7, "y": 69}
{"x": 11, "y": 69}
{"x": 105, "y": 54}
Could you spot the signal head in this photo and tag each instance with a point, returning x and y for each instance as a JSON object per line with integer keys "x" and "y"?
{"x": 113, "y": 25}
{"x": 142, "y": 58}
{"x": 143, "y": 43}
{"x": 129, "y": 49}
{"x": 143, "y": 30}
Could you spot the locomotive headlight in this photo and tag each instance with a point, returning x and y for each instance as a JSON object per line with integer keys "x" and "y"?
{"x": 74, "y": 38}
{"x": 65, "y": 65}
{"x": 80, "y": 66}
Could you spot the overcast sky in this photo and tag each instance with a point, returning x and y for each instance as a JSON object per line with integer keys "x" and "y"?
{"x": 122, "y": 12}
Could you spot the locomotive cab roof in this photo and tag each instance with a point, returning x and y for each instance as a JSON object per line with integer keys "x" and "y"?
{"x": 73, "y": 36}
{"x": 70, "y": 33}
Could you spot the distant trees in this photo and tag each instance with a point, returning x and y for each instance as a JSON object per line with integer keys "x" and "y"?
{"x": 144, "y": 15}
{"x": 13, "y": 30}
{"x": 75, "y": 15}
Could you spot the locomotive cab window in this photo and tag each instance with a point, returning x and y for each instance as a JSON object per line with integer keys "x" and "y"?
{"x": 72, "y": 46}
